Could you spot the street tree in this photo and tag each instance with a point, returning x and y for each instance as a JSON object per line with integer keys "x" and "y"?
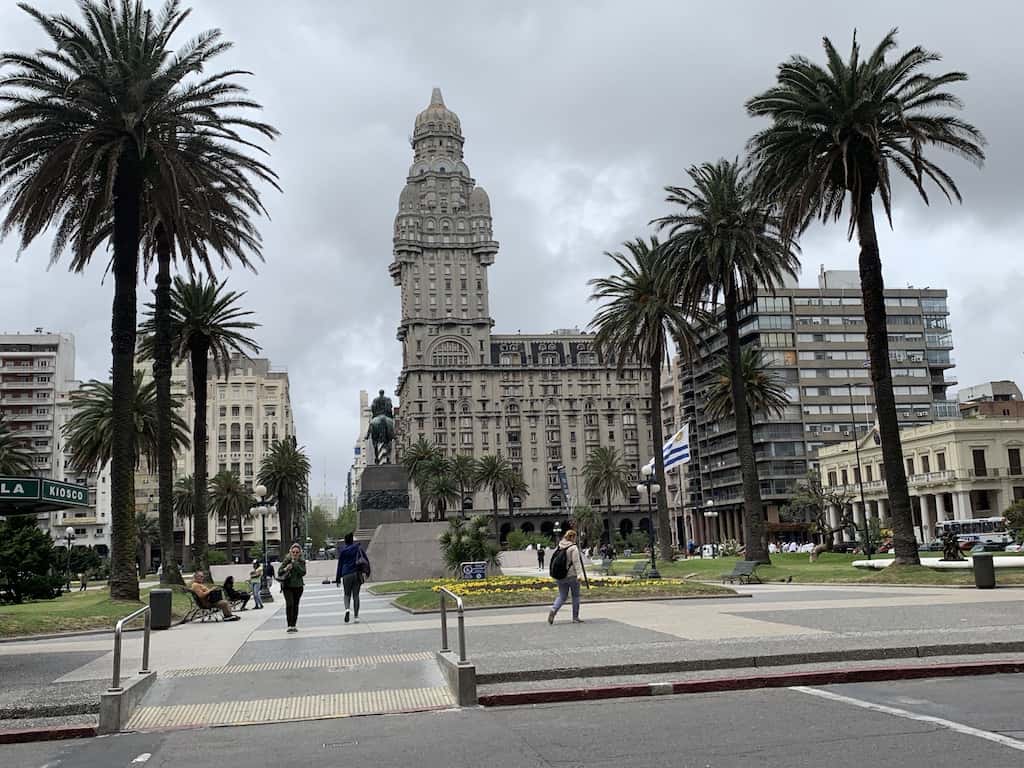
{"x": 14, "y": 459}
{"x": 493, "y": 473}
{"x": 89, "y": 125}
{"x": 285, "y": 473}
{"x": 606, "y": 476}
{"x": 230, "y": 502}
{"x": 727, "y": 245}
{"x": 838, "y": 134}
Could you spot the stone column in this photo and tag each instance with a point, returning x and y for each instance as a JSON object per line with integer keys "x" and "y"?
{"x": 833, "y": 515}
{"x": 927, "y": 519}
{"x": 858, "y": 515}
{"x": 941, "y": 513}
{"x": 883, "y": 512}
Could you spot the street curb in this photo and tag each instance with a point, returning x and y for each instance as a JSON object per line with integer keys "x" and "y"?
{"x": 422, "y": 611}
{"x": 740, "y": 662}
{"x": 753, "y": 682}
{"x": 58, "y": 733}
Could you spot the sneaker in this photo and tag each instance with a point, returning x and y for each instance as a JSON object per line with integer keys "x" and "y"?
{"x": 551, "y": 617}
{"x": 346, "y": 617}
{"x": 355, "y": 620}
{"x": 232, "y": 618}
{"x": 292, "y": 629}
{"x": 577, "y": 621}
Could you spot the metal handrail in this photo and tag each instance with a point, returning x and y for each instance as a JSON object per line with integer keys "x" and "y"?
{"x": 444, "y": 623}
{"x": 118, "y": 631}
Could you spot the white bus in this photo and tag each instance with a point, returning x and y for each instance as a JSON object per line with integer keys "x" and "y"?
{"x": 979, "y": 530}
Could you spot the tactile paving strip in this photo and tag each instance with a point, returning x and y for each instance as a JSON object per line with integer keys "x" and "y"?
{"x": 318, "y": 663}
{"x": 292, "y": 708}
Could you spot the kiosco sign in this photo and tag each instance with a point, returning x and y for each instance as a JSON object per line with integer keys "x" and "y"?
{"x": 19, "y": 489}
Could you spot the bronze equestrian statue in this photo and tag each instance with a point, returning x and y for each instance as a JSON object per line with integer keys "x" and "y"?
{"x": 382, "y": 428}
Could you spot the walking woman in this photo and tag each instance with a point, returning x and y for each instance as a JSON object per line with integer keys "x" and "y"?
{"x": 567, "y": 569}
{"x": 290, "y": 574}
{"x": 256, "y": 584}
{"x": 353, "y": 565}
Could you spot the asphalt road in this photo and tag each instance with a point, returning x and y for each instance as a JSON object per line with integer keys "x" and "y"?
{"x": 920, "y": 724}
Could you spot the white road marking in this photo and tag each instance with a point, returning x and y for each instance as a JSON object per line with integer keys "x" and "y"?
{"x": 967, "y": 730}
{"x": 144, "y": 757}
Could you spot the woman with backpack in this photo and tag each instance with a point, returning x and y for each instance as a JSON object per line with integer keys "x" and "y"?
{"x": 566, "y": 569}
{"x": 353, "y": 569}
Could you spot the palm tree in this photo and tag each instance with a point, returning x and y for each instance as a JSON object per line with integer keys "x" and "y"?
{"x": 90, "y": 430}
{"x": 639, "y": 313}
{"x": 285, "y": 473}
{"x": 147, "y": 531}
{"x": 728, "y": 244}
{"x": 86, "y": 119}
{"x": 839, "y": 132}
{"x": 206, "y": 324}
{"x": 229, "y": 501}
{"x": 493, "y": 472}
{"x": 442, "y": 489}
{"x": 765, "y": 391}
{"x": 463, "y": 471}
{"x": 605, "y": 477}
{"x": 14, "y": 459}
{"x": 184, "y": 511}
{"x": 514, "y": 487}
{"x": 587, "y": 522}
{"x": 419, "y": 456}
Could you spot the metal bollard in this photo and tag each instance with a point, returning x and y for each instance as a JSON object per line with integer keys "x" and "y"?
{"x": 444, "y": 626}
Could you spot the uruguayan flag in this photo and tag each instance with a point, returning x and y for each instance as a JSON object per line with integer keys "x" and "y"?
{"x": 676, "y": 451}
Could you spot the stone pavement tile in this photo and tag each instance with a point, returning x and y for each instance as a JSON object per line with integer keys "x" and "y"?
{"x": 910, "y": 617}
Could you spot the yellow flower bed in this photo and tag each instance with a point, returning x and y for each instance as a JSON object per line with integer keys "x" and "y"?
{"x": 506, "y": 584}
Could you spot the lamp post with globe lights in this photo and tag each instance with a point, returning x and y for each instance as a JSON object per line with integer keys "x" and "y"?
{"x": 69, "y": 536}
{"x": 712, "y": 514}
{"x": 261, "y": 509}
{"x": 650, "y": 484}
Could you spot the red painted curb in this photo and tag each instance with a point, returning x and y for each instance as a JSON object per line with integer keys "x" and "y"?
{"x": 712, "y": 685}
{"x": 59, "y": 733}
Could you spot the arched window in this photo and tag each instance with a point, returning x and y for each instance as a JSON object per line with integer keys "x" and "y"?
{"x": 450, "y": 353}
{"x": 273, "y": 431}
{"x": 513, "y": 408}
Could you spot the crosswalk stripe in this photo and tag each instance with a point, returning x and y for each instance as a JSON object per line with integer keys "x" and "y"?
{"x": 313, "y": 663}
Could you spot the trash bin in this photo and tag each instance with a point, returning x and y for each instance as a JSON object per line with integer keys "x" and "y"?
{"x": 160, "y": 608}
{"x": 984, "y": 571}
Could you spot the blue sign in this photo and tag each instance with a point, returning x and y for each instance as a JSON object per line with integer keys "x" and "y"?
{"x": 477, "y": 570}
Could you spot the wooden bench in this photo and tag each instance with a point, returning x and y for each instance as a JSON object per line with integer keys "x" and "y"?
{"x": 744, "y": 571}
{"x": 199, "y": 612}
{"x": 640, "y": 570}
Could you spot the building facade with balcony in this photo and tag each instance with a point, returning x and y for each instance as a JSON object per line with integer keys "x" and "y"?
{"x": 956, "y": 470}
{"x": 543, "y": 401}
{"x": 815, "y": 340}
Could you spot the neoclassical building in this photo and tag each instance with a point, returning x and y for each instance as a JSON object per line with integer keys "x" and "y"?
{"x": 541, "y": 400}
{"x": 956, "y": 470}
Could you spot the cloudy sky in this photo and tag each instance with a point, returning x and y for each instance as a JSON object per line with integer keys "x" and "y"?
{"x": 576, "y": 114}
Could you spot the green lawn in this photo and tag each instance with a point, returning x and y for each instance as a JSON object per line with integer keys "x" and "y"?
{"x": 830, "y": 568}
{"x": 73, "y": 611}
{"x": 424, "y": 598}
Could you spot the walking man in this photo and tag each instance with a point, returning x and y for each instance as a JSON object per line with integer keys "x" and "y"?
{"x": 540, "y": 556}
{"x": 353, "y": 568}
{"x": 566, "y": 569}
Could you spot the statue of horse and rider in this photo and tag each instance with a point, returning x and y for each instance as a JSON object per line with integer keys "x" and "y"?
{"x": 382, "y": 428}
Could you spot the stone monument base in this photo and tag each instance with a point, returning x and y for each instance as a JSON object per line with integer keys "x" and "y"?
{"x": 401, "y": 551}
{"x": 383, "y": 496}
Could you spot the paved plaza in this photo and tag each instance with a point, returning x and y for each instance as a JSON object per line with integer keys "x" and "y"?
{"x": 251, "y": 671}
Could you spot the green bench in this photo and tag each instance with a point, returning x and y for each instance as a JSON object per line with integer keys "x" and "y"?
{"x": 640, "y": 570}
{"x": 744, "y": 571}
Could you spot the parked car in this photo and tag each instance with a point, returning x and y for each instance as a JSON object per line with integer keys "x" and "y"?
{"x": 931, "y": 546}
{"x": 844, "y": 547}
{"x": 987, "y": 546}
{"x": 1015, "y": 547}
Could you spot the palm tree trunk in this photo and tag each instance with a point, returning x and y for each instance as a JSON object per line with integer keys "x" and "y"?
{"x": 872, "y": 288}
{"x": 169, "y": 574}
{"x": 241, "y": 536}
{"x": 494, "y": 506}
{"x": 611, "y": 531}
{"x": 753, "y": 508}
{"x": 124, "y": 582}
{"x": 664, "y": 523}
{"x": 229, "y": 550}
{"x": 201, "y": 525}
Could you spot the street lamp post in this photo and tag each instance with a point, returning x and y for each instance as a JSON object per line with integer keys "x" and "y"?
{"x": 653, "y": 489}
{"x": 712, "y": 514}
{"x": 557, "y": 530}
{"x": 261, "y": 509}
{"x": 860, "y": 476}
{"x": 69, "y": 536}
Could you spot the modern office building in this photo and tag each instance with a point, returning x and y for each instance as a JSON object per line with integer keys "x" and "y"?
{"x": 956, "y": 470}
{"x": 815, "y": 340}
{"x": 544, "y": 401}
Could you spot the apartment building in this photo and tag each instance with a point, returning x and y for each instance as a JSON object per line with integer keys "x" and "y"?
{"x": 815, "y": 340}
{"x": 993, "y": 398}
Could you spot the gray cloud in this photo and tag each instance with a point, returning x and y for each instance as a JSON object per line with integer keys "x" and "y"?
{"x": 576, "y": 115}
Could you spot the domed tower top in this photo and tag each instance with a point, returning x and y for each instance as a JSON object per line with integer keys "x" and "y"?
{"x": 438, "y": 131}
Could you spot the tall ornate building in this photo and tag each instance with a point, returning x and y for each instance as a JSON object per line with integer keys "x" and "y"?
{"x": 541, "y": 400}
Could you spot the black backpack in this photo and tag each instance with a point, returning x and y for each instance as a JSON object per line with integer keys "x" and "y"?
{"x": 559, "y": 567}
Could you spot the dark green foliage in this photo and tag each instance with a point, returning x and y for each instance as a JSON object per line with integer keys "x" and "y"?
{"x": 14, "y": 459}
{"x": 468, "y": 541}
{"x": 29, "y": 568}
{"x": 765, "y": 390}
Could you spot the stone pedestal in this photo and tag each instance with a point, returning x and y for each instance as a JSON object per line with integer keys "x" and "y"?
{"x": 383, "y": 497}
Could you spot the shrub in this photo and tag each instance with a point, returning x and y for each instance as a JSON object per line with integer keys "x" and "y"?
{"x": 468, "y": 542}
{"x": 520, "y": 540}
{"x": 28, "y": 561}
{"x": 729, "y": 548}
{"x": 217, "y": 557}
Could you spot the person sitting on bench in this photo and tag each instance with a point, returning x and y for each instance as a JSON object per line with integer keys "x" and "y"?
{"x": 233, "y": 594}
{"x": 210, "y": 598}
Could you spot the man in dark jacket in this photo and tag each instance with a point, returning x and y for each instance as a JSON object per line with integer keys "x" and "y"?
{"x": 353, "y": 565}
